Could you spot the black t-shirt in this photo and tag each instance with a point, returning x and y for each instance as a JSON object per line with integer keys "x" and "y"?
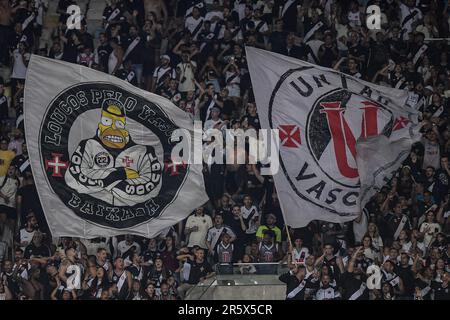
{"x": 198, "y": 270}
{"x": 18, "y": 161}
{"x": 423, "y": 285}
{"x": 3, "y": 107}
{"x": 158, "y": 276}
{"x": 277, "y": 40}
{"x": 150, "y": 255}
{"x": 306, "y": 234}
{"x": 440, "y": 293}
{"x": 137, "y": 5}
{"x": 442, "y": 179}
{"x": 226, "y": 213}
{"x": 71, "y": 51}
{"x": 253, "y": 121}
{"x": 228, "y": 107}
{"x": 63, "y": 5}
{"x": 129, "y": 76}
{"x": 30, "y": 201}
{"x": 328, "y": 56}
{"x": 406, "y": 274}
{"x": 235, "y": 225}
{"x": 103, "y": 52}
{"x": 136, "y": 56}
{"x": 292, "y": 282}
{"x": 32, "y": 250}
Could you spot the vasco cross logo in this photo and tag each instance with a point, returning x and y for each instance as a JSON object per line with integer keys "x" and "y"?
{"x": 104, "y": 150}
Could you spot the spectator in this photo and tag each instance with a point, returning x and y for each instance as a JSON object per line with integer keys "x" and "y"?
{"x": 270, "y": 225}
{"x": 196, "y": 229}
{"x": 198, "y": 270}
{"x": 216, "y": 232}
{"x": 125, "y": 245}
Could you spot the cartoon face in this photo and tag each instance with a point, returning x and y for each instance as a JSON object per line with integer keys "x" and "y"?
{"x": 111, "y": 129}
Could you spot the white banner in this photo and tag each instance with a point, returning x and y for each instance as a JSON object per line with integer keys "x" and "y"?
{"x": 321, "y": 113}
{"x": 100, "y": 153}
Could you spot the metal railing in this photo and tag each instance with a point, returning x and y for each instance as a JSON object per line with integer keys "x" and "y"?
{"x": 240, "y": 274}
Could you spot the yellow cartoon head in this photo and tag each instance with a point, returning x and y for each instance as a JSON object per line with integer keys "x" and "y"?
{"x": 111, "y": 128}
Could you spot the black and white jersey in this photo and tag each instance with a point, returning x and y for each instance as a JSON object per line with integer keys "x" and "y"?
{"x": 409, "y": 17}
{"x": 329, "y": 293}
{"x": 162, "y": 73}
{"x": 268, "y": 253}
{"x": 121, "y": 281}
{"x": 295, "y": 288}
{"x": 224, "y": 252}
{"x": 214, "y": 234}
{"x": 249, "y": 214}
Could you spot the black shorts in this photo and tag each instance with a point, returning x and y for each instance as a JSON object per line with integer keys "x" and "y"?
{"x": 10, "y": 212}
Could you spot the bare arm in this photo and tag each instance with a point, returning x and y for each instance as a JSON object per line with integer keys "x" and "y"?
{"x": 382, "y": 72}
{"x": 119, "y": 60}
{"x": 62, "y": 271}
{"x": 241, "y": 220}
{"x": 319, "y": 260}
{"x": 176, "y": 50}
{"x": 340, "y": 264}
{"x": 182, "y": 257}
{"x": 53, "y": 295}
{"x": 338, "y": 64}
{"x": 257, "y": 173}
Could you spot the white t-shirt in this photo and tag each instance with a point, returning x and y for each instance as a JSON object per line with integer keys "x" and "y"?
{"x": 354, "y": 19}
{"x": 26, "y": 236}
{"x": 300, "y": 255}
{"x": 9, "y": 190}
{"x": 198, "y": 238}
{"x": 209, "y": 124}
{"x": 186, "y": 72}
{"x": 19, "y": 68}
{"x": 432, "y": 154}
{"x": 433, "y": 228}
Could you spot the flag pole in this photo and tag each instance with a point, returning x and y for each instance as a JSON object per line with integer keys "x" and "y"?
{"x": 287, "y": 229}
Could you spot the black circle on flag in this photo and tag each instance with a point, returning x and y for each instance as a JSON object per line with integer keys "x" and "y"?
{"x": 107, "y": 152}
{"x": 319, "y": 121}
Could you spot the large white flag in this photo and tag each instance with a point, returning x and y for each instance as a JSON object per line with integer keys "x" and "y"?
{"x": 100, "y": 153}
{"x": 321, "y": 114}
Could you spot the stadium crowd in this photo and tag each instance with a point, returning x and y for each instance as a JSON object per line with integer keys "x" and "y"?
{"x": 192, "y": 52}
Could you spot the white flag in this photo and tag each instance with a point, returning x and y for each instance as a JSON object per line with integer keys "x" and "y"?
{"x": 100, "y": 152}
{"x": 320, "y": 114}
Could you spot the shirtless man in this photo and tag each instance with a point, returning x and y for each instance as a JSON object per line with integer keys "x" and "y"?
{"x": 156, "y": 6}
{"x": 5, "y": 13}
